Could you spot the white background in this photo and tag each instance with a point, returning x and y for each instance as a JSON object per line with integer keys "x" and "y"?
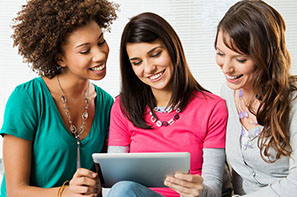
{"x": 194, "y": 20}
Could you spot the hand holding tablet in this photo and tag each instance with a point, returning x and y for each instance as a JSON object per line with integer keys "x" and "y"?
{"x": 149, "y": 169}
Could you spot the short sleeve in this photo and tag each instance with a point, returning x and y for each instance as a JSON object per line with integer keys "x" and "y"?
{"x": 217, "y": 123}
{"x": 20, "y": 116}
{"x": 119, "y": 129}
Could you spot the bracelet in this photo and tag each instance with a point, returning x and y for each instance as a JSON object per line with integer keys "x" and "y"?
{"x": 61, "y": 189}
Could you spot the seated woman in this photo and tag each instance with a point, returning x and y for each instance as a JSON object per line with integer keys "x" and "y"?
{"x": 261, "y": 139}
{"x": 162, "y": 108}
{"x": 53, "y": 123}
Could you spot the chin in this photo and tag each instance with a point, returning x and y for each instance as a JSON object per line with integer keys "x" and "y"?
{"x": 233, "y": 87}
{"x": 97, "y": 78}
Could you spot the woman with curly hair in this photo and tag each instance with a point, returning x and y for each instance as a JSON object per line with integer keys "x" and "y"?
{"x": 53, "y": 123}
{"x": 162, "y": 108}
{"x": 261, "y": 139}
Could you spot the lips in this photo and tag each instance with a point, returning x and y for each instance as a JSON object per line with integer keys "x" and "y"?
{"x": 233, "y": 77}
{"x": 98, "y": 68}
{"x": 156, "y": 76}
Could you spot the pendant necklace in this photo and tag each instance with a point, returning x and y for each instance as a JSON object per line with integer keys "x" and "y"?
{"x": 72, "y": 128}
{"x": 243, "y": 111}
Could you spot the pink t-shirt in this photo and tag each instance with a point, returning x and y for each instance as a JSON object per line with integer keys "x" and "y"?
{"x": 202, "y": 124}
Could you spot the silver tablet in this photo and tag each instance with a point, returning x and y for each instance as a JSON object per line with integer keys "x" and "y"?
{"x": 148, "y": 169}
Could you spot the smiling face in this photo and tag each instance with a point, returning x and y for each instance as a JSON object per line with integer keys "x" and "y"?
{"x": 85, "y": 53}
{"x": 151, "y": 64}
{"x": 238, "y": 68}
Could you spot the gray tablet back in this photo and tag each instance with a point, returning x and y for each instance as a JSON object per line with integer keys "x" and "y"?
{"x": 148, "y": 169}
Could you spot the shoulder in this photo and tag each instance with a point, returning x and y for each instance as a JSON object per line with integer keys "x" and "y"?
{"x": 206, "y": 98}
{"x": 226, "y": 92}
{"x": 30, "y": 86}
{"x": 117, "y": 105}
{"x": 207, "y": 104}
{"x": 28, "y": 90}
{"x": 103, "y": 96}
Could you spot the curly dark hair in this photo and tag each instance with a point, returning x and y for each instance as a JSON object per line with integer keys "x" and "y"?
{"x": 42, "y": 27}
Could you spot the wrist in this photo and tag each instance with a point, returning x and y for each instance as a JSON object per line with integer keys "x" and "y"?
{"x": 62, "y": 188}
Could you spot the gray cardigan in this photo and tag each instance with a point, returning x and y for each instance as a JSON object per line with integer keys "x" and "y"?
{"x": 252, "y": 176}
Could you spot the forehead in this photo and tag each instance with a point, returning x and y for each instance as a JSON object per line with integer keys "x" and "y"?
{"x": 141, "y": 48}
{"x": 84, "y": 33}
{"x": 225, "y": 41}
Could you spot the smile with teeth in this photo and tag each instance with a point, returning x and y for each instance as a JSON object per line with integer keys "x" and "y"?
{"x": 98, "y": 68}
{"x": 233, "y": 77}
{"x": 156, "y": 76}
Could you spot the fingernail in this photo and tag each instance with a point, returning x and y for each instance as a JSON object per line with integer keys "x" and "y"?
{"x": 177, "y": 175}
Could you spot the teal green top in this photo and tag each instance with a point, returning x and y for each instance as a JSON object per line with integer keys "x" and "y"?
{"x": 31, "y": 114}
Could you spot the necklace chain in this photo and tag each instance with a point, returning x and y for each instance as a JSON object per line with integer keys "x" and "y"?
{"x": 160, "y": 123}
{"x": 72, "y": 128}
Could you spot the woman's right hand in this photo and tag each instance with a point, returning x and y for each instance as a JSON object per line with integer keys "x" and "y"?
{"x": 83, "y": 183}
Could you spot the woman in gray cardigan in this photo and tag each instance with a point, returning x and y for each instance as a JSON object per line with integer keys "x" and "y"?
{"x": 260, "y": 94}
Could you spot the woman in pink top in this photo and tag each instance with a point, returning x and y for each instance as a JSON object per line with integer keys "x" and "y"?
{"x": 162, "y": 108}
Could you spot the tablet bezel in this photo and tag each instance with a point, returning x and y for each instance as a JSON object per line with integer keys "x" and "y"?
{"x": 148, "y": 169}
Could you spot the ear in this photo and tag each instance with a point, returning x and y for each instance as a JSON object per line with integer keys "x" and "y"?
{"x": 61, "y": 60}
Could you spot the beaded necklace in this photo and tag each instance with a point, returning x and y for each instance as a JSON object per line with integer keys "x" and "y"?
{"x": 247, "y": 137}
{"x": 160, "y": 123}
{"x": 72, "y": 128}
{"x": 242, "y": 109}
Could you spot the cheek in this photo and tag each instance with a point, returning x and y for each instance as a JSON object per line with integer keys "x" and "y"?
{"x": 107, "y": 50}
{"x": 137, "y": 70}
{"x": 219, "y": 61}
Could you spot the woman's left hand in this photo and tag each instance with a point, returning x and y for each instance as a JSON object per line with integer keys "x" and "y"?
{"x": 187, "y": 185}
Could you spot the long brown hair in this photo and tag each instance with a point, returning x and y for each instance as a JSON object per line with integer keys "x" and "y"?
{"x": 135, "y": 96}
{"x": 258, "y": 30}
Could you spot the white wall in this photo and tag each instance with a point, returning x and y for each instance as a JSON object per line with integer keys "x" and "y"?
{"x": 194, "y": 20}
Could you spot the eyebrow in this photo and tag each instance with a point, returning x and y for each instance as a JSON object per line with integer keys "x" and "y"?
{"x": 149, "y": 52}
{"x": 87, "y": 43}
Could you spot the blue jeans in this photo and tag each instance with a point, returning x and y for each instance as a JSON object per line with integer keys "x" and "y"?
{"x": 131, "y": 189}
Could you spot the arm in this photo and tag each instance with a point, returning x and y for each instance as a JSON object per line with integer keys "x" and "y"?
{"x": 17, "y": 164}
{"x": 118, "y": 149}
{"x": 210, "y": 183}
{"x": 207, "y": 185}
{"x": 212, "y": 171}
{"x": 286, "y": 186}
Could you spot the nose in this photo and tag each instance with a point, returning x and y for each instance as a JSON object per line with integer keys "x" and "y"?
{"x": 149, "y": 67}
{"x": 227, "y": 66}
{"x": 100, "y": 53}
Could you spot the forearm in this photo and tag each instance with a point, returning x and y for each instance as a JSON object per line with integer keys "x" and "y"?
{"x": 118, "y": 149}
{"x": 212, "y": 172}
{"x": 25, "y": 190}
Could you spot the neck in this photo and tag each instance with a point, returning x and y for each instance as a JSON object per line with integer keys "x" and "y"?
{"x": 73, "y": 87}
{"x": 248, "y": 94}
{"x": 162, "y": 97}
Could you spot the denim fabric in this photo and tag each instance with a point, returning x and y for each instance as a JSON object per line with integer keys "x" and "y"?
{"x": 131, "y": 189}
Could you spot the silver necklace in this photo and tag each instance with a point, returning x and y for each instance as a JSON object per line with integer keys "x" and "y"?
{"x": 72, "y": 128}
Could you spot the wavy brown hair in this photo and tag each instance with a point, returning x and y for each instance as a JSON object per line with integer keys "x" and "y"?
{"x": 42, "y": 27}
{"x": 258, "y": 30}
{"x": 135, "y": 95}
